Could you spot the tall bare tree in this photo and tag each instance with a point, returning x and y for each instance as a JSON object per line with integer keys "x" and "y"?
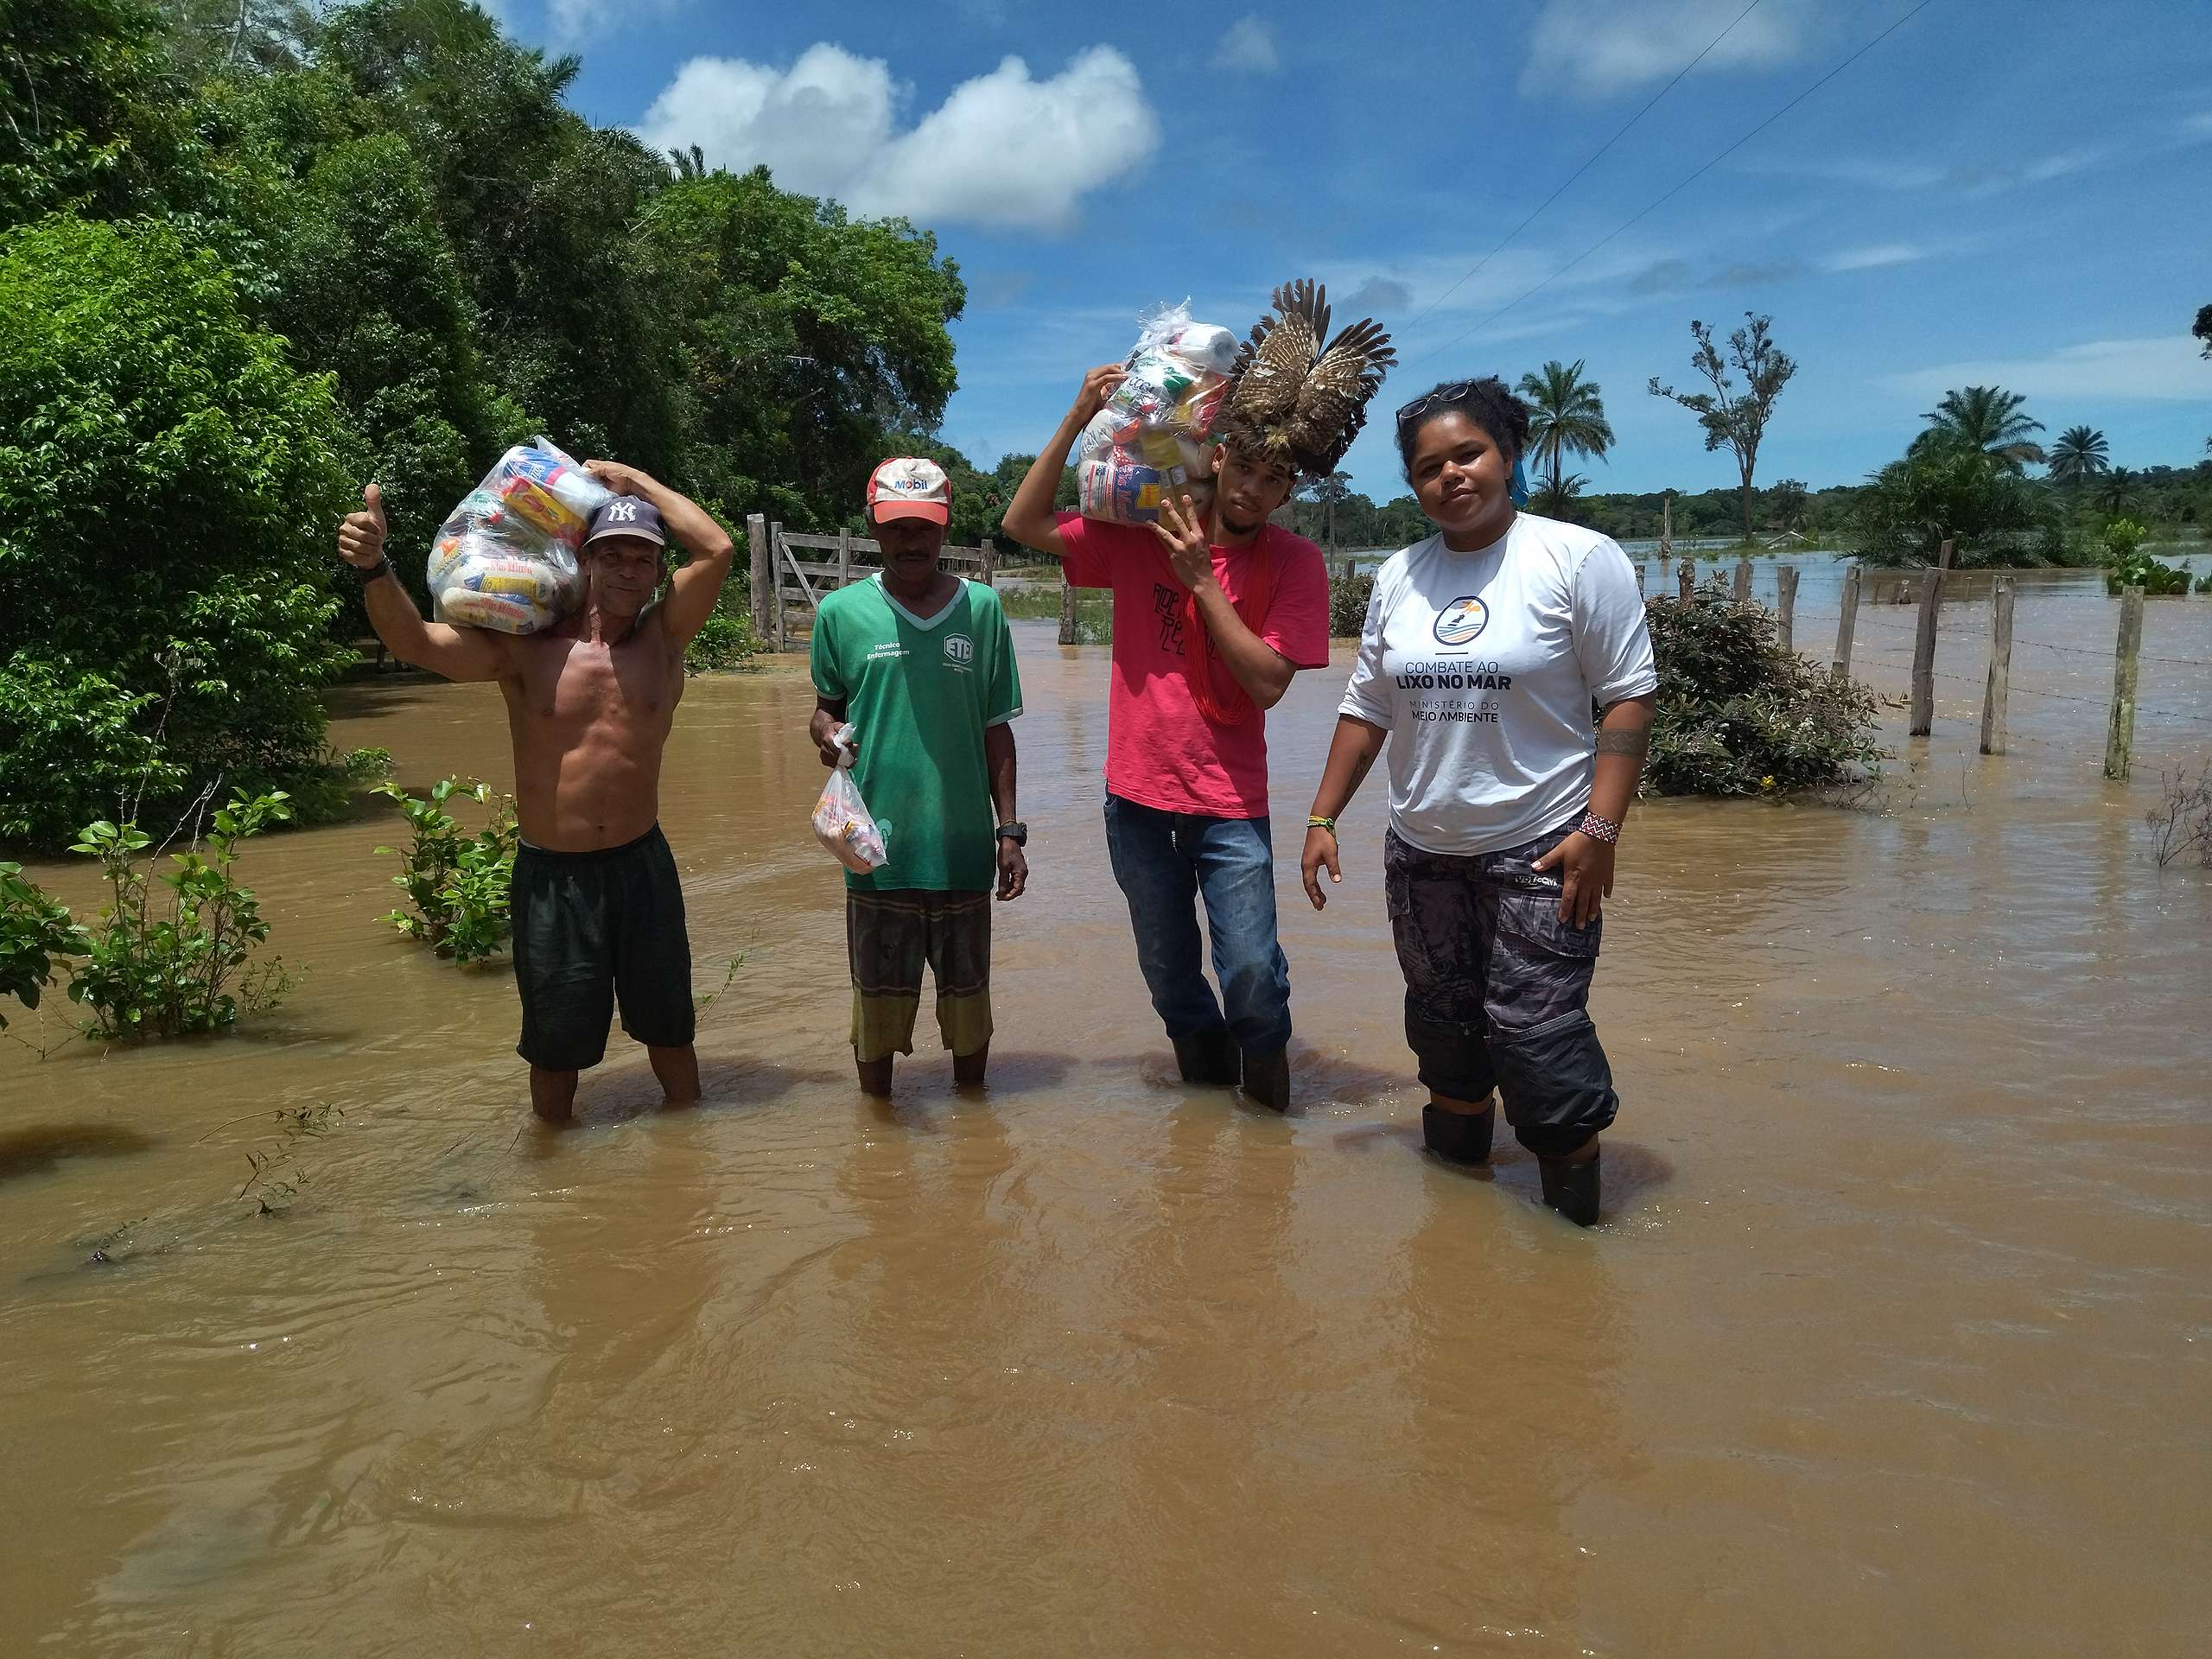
{"x": 1735, "y": 419}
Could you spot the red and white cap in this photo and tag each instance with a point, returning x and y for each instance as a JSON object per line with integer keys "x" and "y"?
{"x": 903, "y": 488}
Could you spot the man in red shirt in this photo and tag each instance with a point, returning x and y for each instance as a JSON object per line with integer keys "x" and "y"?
{"x": 1213, "y": 612}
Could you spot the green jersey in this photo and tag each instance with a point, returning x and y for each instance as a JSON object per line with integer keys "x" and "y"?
{"x": 920, "y": 692}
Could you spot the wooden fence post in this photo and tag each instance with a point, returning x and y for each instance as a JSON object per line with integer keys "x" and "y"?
{"x": 1685, "y": 574}
{"x": 1921, "y": 718}
{"x": 776, "y": 583}
{"x": 1785, "y": 607}
{"x": 1067, "y": 612}
{"x": 764, "y": 571}
{"x": 1639, "y": 578}
{"x": 1999, "y": 684}
{"x": 2119, "y": 740}
{"x": 1666, "y": 527}
{"x": 844, "y": 558}
{"x": 1743, "y": 581}
{"x": 1846, "y": 623}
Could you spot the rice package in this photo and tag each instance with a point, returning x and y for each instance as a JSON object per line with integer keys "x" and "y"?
{"x": 506, "y": 558}
{"x": 1151, "y": 438}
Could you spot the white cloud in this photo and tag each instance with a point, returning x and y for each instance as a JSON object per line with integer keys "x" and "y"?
{"x": 573, "y": 22}
{"x": 2155, "y": 368}
{"x": 1874, "y": 259}
{"x": 1249, "y": 48}
{"x": 1002, "y": 150}
{"x": 1595, "y": 48}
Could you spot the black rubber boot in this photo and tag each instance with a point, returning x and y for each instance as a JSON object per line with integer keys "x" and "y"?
{"x": 1571, "y": 1189}
{"x": 1267, "y": 1078}
{"x": 1458, "y": 1137}
{"x": 1209, "y": 1056}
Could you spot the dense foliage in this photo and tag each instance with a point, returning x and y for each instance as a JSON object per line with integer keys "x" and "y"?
{"x": 253, "y": 255}
{"x": 1737, "y": 716}
{"x": 171, "y": 966}
{"x": 456, "y": 881}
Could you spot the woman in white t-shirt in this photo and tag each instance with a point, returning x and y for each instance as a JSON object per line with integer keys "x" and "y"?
{"x": 1485, "y": 651}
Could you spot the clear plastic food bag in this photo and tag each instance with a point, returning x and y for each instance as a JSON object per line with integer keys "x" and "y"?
{"x": 843, "y": 823}
{"x": 1152, "y": 437}
{"x": 506, "y": 558}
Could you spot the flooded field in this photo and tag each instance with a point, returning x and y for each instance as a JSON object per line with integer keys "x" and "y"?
{"x": 1895, "y": 1339}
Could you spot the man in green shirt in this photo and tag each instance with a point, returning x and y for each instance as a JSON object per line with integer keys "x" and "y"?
{"x": 921, "y": 664}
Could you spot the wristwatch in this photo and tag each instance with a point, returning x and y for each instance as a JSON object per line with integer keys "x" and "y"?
{"x": 1017, "y": 832}
{"x": 381, "y": 568}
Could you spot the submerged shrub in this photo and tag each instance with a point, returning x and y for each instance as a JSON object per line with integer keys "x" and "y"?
{"x": 1738, "y": 716}
{"x": 156, "y": 968}
{"x": 35, "y": 933}
{"x": 457, "y": 882}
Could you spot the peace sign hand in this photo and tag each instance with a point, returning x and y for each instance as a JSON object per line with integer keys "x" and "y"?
{"x": 1182, "y": 532}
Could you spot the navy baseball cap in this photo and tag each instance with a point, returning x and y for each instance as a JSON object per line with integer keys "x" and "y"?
{"x": 628, "y": 515}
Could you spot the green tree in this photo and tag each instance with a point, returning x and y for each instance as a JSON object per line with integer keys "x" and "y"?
{"x": 1567, "y": 417}
{"x": 92, "y": 114}
{"x": 1737, "y": 420}
{"x": 1986, "y": 418}
{"x": 158, "y": 457}
{"x": 1955, "y": 492}
{"x": 1786, "y": 504}
{"x": 2081, "y": 453}
{"x": 2202, "y": 329}
{"x": 1328, "y": 494}
{"x": 1555, "y": 496}
{"x": 806, "y": 340}
{"x": 2119, "y": 492}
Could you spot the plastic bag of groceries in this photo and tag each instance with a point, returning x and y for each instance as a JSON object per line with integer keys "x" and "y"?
{"x": 843, "y": 823}
{"x": 506, "y": 558}
{"x": 1151, "y": 438}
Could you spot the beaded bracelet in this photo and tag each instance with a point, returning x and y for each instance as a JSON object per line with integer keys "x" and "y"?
{"x": 1599, "y": 829}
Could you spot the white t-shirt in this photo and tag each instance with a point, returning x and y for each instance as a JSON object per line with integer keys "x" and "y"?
{"x": 1483, "y": 667}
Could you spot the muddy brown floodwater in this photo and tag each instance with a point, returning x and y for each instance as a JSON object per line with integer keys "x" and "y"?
{"x": 1895, "y": 1339}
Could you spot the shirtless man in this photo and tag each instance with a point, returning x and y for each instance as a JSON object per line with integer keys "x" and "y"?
{"x": 598, "y": 914}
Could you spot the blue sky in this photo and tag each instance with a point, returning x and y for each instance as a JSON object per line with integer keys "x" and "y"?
{"x": 2005, "y": 193}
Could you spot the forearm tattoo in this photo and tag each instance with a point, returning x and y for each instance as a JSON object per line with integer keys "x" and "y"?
{"x": 1636, "y": 743}
{"x": 1359, "y": 769}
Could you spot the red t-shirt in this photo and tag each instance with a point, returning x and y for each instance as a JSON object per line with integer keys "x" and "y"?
{"x": 1161, "y": 750}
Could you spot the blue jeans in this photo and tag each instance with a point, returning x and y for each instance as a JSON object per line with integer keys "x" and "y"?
{"x": 1163, "y": 861}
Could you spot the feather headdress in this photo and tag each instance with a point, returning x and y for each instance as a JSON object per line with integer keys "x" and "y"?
{"x": 1296, "y": 398}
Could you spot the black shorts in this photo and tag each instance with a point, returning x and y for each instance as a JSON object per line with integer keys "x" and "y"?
{"x": 591, "y": 928}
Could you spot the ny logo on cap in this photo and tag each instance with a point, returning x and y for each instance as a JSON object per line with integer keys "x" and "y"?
{"x": 621, "y": 512}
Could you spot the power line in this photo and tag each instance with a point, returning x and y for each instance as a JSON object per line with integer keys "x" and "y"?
{"x": 1683, "y": 186}
{"x": 1585, "y": 167}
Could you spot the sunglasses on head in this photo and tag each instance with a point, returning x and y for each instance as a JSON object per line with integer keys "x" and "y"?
{"x": 1411, "y": 412}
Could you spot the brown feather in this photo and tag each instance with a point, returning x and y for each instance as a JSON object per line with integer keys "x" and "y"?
{"x": 1332, "y": 403}
{"x": 1272, "y": 363}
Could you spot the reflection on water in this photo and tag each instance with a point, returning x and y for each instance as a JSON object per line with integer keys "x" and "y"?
{"x": 1895, "y": 1337}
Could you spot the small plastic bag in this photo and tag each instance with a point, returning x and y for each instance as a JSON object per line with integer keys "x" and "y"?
{"x": 843, "y": 823}
{"x": 1151, "y": 438}
{"x": 506, "y": 558}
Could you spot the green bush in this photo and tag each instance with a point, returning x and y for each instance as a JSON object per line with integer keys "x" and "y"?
{"x": 167, "y": 483}
{"x": 73, "y": 744}
{"x": 1348, "y": 598}
{"x": 166, "y": 971}
{"x": 1736, "y": 715}
{"x": 2121, "y": 538}
{"x": 1955, "y": 492}
{"x": 457, "y": 882}
{"x": 726, "y": 642}
{"x": 34, "y": 931}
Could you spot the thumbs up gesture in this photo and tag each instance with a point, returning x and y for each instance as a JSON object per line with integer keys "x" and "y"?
{"x": 360, "y": 536}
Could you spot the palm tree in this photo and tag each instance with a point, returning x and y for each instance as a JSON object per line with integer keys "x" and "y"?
{"x": 2117, "y": 490}
{"x": 1568, "y": 417}
{"x": 1552, "y": 498}
{"x": 688, "y": 163}
{"x": 2080, "y": 453}
{"x": 1986, "y": 418}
